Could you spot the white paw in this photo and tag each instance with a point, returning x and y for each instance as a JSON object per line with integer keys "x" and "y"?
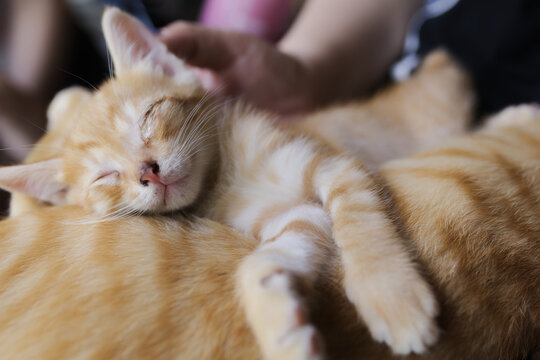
{"x": 277, "y": 315}
{"x": 397, "y": 310}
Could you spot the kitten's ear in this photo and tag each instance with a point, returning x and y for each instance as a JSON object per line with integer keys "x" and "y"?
{"x": 132, "y": 45}
{"x": 65, "y": 102}
{"x": 38, "y": 180}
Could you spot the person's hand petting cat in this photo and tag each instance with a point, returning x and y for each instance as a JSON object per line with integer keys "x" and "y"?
{"x": 234, "y": 64}
{"x": 334, "y": 51}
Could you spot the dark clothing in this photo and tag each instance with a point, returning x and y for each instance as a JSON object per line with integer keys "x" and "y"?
{"x": 499, "y": 42}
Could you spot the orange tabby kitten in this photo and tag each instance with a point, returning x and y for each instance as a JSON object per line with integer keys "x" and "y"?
{"x": 150, "y": 142}
{"x": 160, "y": 288}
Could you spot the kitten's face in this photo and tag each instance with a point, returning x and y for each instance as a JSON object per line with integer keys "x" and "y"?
{"x": 141, "y": 144}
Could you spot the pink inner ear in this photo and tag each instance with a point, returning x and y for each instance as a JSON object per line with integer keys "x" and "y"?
{"x": 146, "y": 47}
{"x": 128, "y": 40}
{"x": 137, "y": 37}
{"x": 37, "y": 180}
{"x": 132, "y": 45}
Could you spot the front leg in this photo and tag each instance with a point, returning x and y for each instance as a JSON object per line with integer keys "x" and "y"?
{"x": 394, "y": 300}
{"x": 273, "y": 278}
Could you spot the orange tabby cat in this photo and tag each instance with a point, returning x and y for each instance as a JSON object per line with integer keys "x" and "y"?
{"x": 148, "y": 141}
{"x": 133, "y": 288}
{"x": 471, "y": 207}
{"x": 162, "y": 288}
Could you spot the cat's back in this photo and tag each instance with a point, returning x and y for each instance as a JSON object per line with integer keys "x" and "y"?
{"x": 118, "y": 289}
{"x": 436, "y": 103}
{"x": 472, "y": 208}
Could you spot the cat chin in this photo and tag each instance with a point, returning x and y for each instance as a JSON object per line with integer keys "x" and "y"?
{"x": 175, "y": 196}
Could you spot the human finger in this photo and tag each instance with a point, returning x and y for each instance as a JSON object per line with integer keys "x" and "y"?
{"x": 197, "y": 45}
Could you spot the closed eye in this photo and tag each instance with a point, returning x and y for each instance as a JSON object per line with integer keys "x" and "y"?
{"x": 109, "y": 177}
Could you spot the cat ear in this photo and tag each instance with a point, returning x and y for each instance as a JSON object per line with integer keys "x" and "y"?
{"x": 38, "y": 180}
{"x": 63, "y": 103}
{"x": 132, "y": 45}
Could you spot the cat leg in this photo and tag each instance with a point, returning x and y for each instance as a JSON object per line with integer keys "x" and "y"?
{"x": 273, "y": 278}
{"x": 380, "y": 279}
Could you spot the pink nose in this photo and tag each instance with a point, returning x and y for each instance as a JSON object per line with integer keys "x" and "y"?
{"x": 150, "y": 174}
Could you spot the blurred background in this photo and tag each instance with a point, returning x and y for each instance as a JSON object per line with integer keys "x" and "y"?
{"x": 46, "y": 45}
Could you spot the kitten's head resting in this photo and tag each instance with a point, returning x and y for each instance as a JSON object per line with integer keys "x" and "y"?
{"x": 143, "y": 142}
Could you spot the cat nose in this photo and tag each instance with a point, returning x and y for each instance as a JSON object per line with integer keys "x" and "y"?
{"x": 153, "y": 166}
{"x": 150, "y": 173}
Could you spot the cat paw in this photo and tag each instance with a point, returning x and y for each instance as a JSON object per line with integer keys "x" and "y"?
{"x": 277, "y": 315}
{"x": 397, "y": 312}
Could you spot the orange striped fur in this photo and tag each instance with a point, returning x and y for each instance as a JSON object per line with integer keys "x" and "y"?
{"x": 471, "y": 208}
{"x": 163, "y": 288}
{"x": 124, "y": 289}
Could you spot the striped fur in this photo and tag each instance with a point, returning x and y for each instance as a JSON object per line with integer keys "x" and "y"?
{"x": 124, "y": 289}
{"x": 160, "y": 288}
{"x": 472, "y": 208}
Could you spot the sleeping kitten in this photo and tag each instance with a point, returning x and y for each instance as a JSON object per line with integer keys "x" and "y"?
{"x": 150, "y": 141}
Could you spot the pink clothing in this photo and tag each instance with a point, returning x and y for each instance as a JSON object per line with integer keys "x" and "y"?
{"x": 264, "y": 18}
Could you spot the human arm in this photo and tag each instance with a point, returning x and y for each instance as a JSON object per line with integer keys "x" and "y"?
{"x": 335, "y": 50}
{"x": 347, "y": 45}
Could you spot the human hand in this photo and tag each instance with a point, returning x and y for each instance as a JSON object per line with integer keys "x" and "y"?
{"x": 236, "y": 64}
